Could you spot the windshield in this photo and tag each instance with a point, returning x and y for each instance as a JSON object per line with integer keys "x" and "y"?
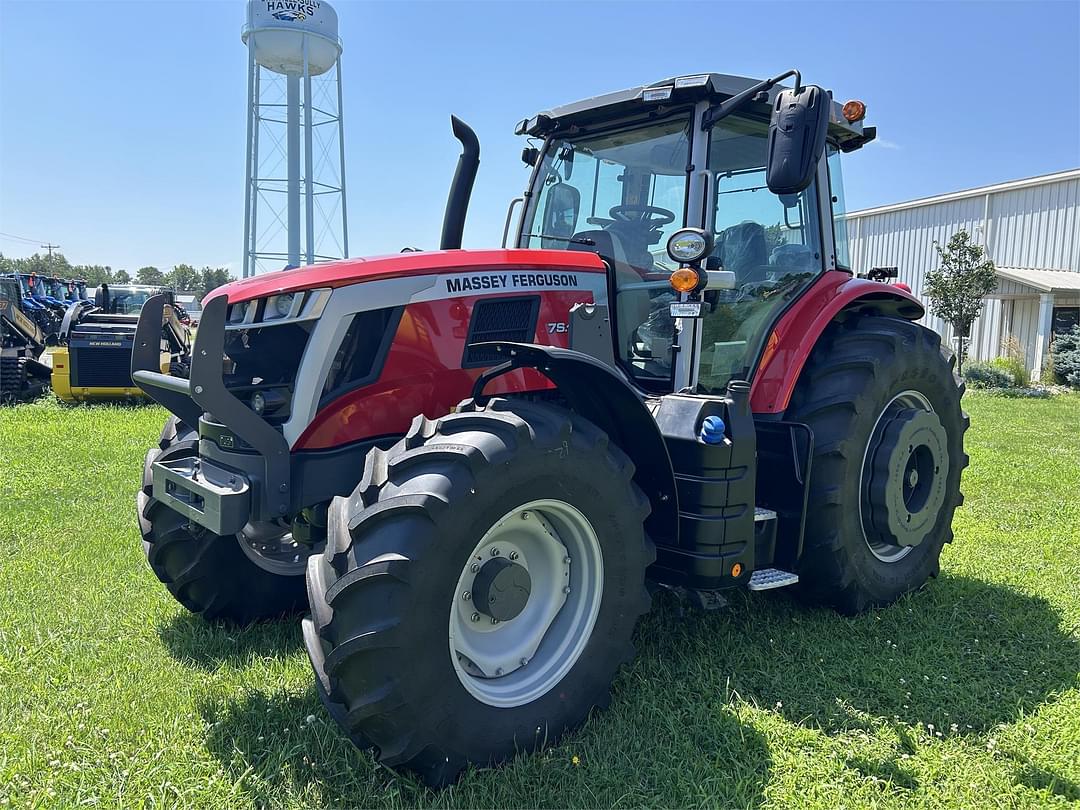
{"x": 129, "y": 300}
{"x": 620, "y": 193}
{"x": 772, "y": 243}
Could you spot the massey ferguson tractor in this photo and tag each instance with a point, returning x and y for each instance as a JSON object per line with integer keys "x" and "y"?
{"x": 472, "y": 466}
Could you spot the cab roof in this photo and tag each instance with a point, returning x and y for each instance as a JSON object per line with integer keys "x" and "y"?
{"x": 685, "y": 89}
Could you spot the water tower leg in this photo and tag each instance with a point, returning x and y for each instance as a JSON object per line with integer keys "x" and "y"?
{"x": 341, "y": 165}
{"x": 292, "y": 119}
{"x": 309, "y": 160}
{"x": 257, "y": 123}
{"x": 250, "y": 158}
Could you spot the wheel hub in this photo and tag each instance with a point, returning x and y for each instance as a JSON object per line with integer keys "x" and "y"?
{"x": 905, "y": 488}
{"x": 501, "y": 589}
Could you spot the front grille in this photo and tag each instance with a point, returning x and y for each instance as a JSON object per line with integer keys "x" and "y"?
{"x": 503, "y": 319}
{"x": 101, "y": 367}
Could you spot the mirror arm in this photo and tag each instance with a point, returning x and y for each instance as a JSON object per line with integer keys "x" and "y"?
{"x": 714, "y": 114}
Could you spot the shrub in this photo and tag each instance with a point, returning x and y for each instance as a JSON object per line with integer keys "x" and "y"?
{"x": 1066, "y": 354}
{"x": 1014, "y": 367}
{"x": 984, "y": 375}
{"x": 1014, "y": 353}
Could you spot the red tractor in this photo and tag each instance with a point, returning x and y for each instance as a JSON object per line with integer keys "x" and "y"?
{"x": 472, "y": 466}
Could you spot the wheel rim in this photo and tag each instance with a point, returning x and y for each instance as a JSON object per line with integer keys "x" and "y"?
{"x": 273, "y": 549}
{"x": 903, "y": 475}
{"x": 540, "y": 568}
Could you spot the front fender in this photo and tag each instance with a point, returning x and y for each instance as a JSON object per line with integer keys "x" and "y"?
{"x": 603, "y": 396}
{"x": 798, "y": 330}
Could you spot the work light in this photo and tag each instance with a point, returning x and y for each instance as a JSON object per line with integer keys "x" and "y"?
{"x": 689, "y": 245}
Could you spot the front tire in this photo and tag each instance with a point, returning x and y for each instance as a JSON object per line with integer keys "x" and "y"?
{"x": 209, "y": 574}
{"x": 473, "y": 517}
{"x": 883, "y": 401}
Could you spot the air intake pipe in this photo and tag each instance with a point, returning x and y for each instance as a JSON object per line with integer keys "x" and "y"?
{"x": 457, "y": 204}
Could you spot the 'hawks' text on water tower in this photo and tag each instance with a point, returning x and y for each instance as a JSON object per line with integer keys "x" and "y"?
{"x": 294, "y": 206}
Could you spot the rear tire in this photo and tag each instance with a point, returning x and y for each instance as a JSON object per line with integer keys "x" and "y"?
{"x": 389, "y": 608}
{"x": 209, "y": 574}
{"x": 883, "y": 401}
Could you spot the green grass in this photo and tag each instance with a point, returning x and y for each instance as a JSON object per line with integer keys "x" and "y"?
{"x": 965, "y": 694}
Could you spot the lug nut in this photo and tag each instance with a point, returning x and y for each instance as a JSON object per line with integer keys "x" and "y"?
{"x": 474, "y": 567}
{"x": 494, "y": 620}
{"x": 524, "y": 515}
{"x": 498, "y": 671}
{"x": 475, "y": 617}
{"x": 566, "y": 589}
{"x": 466, "y": 596}
{"x": 566, "y": 560}
{"x": 494, "y": 552}
{"x": 513, "y": 555}
{"x": 524, "y": 661}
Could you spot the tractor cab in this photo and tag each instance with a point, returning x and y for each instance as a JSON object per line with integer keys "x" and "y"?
{"x": 623, "y": 173}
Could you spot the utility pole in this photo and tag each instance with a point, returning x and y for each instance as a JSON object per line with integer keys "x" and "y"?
{"x": 51, "y": 247}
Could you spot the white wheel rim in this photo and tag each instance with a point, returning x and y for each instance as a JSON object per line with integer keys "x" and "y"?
{"x": 905, "y": 399}
{"x": 514, "y": 662}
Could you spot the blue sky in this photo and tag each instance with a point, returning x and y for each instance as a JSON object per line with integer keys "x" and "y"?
{"x": 122, "y": 124}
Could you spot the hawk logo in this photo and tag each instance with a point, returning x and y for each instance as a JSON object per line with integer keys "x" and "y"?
{"x": 291, "y": 10}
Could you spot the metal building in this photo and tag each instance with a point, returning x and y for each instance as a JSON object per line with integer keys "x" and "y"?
{"x": 1030, "y": 229}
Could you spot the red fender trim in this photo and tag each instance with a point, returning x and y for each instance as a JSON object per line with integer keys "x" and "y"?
{"x": 798, "y": 330}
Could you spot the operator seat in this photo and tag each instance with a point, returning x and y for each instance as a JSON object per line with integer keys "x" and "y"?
{"x": 743, "y": 251}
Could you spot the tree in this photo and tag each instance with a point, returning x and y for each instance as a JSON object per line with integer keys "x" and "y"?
{"x": 212, "y": 278}
{"x": 956, "y": 289}
{"x": 121, "y": 277}
{"x": 150, "y": 275}
{"x": 93, "y": 274}
{"x": 1066, "y": 355}
{"x": 183, "y": 277}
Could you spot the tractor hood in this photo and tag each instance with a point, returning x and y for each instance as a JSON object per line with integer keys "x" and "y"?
{"x": 417, "y": 263}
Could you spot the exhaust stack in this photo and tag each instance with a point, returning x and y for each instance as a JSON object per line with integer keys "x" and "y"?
{"x": 457, "y": 204}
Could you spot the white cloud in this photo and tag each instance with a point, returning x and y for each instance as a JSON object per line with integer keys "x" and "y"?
{"x": 884, "y": 144}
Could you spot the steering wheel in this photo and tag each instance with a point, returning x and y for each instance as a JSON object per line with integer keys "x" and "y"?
{"x": 650, "y": 215}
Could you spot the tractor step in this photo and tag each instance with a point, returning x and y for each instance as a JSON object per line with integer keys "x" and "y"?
{"x": 761, "y": 513}
{"x": 765, "y": 579}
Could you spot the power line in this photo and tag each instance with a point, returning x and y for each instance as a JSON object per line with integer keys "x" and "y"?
{"x": 21, "y": 238}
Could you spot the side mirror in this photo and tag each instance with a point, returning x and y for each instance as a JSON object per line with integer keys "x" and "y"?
{"x": 561, "y": 206}
{"x": 529, "y": 155}
{"x": 101, "y": 297}
{"x": 800, "y": 120}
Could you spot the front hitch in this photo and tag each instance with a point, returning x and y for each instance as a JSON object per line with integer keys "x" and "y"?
{"x": 205, "y": 392}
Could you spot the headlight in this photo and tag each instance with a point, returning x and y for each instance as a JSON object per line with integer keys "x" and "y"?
{"x": 238, "y": 311}
{"x": 269, "y": 401}
{"x": 278, "y": 306}
{"x": 689, "y": 245}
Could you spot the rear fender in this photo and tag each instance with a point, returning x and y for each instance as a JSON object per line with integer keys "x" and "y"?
{"x": 800, "y": 327}
{"x": 600, "y": 394}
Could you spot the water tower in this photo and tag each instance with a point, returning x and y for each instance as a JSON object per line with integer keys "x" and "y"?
{"x": 293, "y": 216}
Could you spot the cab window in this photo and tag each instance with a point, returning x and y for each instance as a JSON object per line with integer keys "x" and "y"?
{"x": 620, "y": 193}
{"x": 772, "y": 243}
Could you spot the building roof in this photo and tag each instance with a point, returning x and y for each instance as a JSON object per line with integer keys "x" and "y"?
{"x": 1026, "y": 182}
{"x": 1045, "y": 280}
